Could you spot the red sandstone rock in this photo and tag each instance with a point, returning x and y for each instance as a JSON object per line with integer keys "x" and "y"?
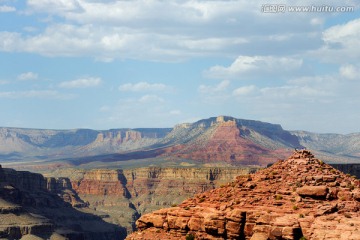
{"x": 298, "y": 197}
{"x": 312, "y": 191}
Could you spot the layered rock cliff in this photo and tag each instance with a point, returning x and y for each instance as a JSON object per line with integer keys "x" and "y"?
{"x": 300, "y": 198}
{"x": 126, "y": 194}
{"x": 36, "y": 207}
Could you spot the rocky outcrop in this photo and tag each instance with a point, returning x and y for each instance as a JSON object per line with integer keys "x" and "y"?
{"x": 299, "y": 198}
{"x": 35, "y": 207}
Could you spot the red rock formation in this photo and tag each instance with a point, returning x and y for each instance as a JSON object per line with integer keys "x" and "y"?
{"x": 101, "y": 182}
{"x": 294, "y": 199}
{"x": 226, "y": 143}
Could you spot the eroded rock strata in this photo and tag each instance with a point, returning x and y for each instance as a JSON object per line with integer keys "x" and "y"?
{"x": 35, "y": 207}
{"x": 124, "y": 195}
{"x": 299, "y": 198}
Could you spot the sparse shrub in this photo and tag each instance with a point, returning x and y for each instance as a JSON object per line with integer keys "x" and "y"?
{"x": 190, "y": 237}
{"x": 295, "y": 207}
{"x": 201, "y": 200}
{"x": 292, "y": 200}
{"x": 174, "y": 205}
{"x": 186, "y": 208}
{"x": 321, "y": 162}
{"x": 157, "y": 230}
{"x": 302, "y": 238}
{"x": 222, "y": 186}
{"x": 278, "y": 197}
{"x": 298, "y": 184}
{"x": 348, "y": 174}
{"x": 301, "y": 215}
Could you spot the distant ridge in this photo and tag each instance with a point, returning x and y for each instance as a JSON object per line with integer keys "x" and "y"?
{"x": 221, "y": 139}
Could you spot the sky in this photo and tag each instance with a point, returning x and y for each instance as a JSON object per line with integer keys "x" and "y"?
{"x": 68, "y": 64}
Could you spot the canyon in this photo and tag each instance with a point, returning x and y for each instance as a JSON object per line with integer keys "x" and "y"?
{"x": 109, "y": 179}
{"x": 124, "y": 195}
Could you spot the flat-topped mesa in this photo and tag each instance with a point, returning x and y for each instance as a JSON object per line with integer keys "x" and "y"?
{"x": 299, "y": 197}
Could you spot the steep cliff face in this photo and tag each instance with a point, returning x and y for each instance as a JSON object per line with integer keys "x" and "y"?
{"x": 294, "y": 199}
{"x": 126, "y": 194}
{"x": 42, "y": 208}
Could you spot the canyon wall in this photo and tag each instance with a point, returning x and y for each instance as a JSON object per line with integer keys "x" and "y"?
{"x": 45, "y": 207}
{"x": 124, "y": 195}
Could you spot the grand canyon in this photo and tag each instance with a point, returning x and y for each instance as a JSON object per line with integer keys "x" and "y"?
{"x": 217, "y": 178}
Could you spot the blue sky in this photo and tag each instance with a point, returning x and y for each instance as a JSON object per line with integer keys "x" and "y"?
{"x": 113, "y": 64}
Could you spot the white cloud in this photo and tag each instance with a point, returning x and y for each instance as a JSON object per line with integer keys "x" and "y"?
{"x": 350, "y": 71}
{"x": 81, "y": 83}
{"x": 150, "y": 98}
{"x": 3, "y": 82}
{"x": 54, "y": 6}
{"x": 222, "y": 86}
{"x": 345, "y": 33}
{"x": 28, "y": 76}
{"x": 142, "y": 87}
{"x": 317, "y": 21}
{"x": 246, "y": 90}
{"x": 160, "y": 30}
{"x": 5, "y": 8}
{"x": 341, "y": 40}
{"x": 247, "y": 65}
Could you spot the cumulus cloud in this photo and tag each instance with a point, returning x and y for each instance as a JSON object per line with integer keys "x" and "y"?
{"x": 160, "y": 30}
{"x": 81, "y": 83}
{"x": 247, "y": 65}
{"x": 54, "y": 6}
{"x": 246, "y": 90}
{"x": 5, "y": 9}
{"x": 341, "y": 40}
{"x": 142, "y": 87}
{"x": 28, "y": 76}
{"x": 150, "y": 98}
{"x": 350, "y": 71}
